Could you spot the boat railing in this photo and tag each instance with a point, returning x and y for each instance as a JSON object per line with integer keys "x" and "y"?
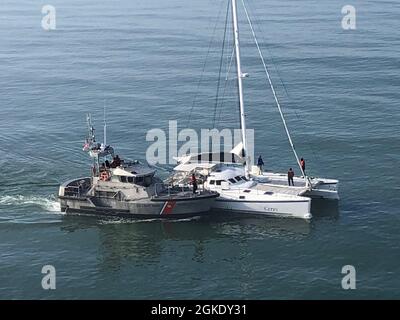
{"x": 250, "y": 190}
{"x": 77, "y": 188}
{"x": 171, "y": 189}
{"x": 73, "y": 191}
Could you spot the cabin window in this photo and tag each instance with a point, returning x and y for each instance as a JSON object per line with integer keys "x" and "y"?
{"x": 123, "y": 179}
{"x": 242, "y": 197}
{"x": 104, "y": 194}
{"x": 144, "y": 181}
{"x": 232, "y": 180}
{"x": 219, "y": 182}
{"x": 238, "y": 178}
{"x": 244, "y": 178}
{"x": 130, "y": 179}
{"x": 247, "y": 191}
{"x": 212, "y": 181}
{"x": 139, "y": 180}
{"x": 269, "y": 193}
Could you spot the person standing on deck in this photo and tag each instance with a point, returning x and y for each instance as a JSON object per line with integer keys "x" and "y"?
{"x": 193, "y": 180}
{"x": 260, "y": 164}
{"x": 303, "y": 165}
{"x": 290, "y": 176}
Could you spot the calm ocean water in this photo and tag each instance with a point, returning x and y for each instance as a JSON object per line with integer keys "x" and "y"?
{"x": 145, "y": 59}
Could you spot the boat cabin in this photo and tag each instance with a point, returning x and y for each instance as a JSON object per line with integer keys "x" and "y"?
{"x": 131, "y": 173}
{"x": 228, "y": 178}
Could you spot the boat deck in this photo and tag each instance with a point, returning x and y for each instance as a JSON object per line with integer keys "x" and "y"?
{"x": 279, "y": 179}
{"x": 283, "y": 189}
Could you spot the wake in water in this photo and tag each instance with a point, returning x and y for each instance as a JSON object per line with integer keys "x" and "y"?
{"x": 126, "y": 220}
{"x": 46, "y": 203}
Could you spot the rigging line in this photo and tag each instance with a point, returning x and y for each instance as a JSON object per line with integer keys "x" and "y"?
{"x": 273, "y": 90}
{"x": 229, "y": 58}
{"x": 223, "y": 98}
{"x": 261, "y": 31}
{"x": 204, "y": 65}
{"x": 228, "y": 70}
{"x": 228, "y": 86}
{"x": 229, "y": 62}
{"x": 258, "y": 25}
{"x": 220, "y": 65}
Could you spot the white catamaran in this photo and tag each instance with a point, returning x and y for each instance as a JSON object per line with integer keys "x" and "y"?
{"x": 239, "y": 190}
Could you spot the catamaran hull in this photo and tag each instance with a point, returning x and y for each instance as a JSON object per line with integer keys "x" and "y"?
{"x": 321, "y": 188}
{"x": 293, "y": 209}
{"x": 328, "y": 191}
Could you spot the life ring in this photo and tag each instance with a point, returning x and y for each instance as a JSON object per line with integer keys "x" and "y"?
{"x": 104, "y": 176}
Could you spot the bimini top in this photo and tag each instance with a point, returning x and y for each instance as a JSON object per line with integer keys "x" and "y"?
{"x": 233, "y": 156}
{"x": 189, "y": 167}
{"x": 225, "y": 173}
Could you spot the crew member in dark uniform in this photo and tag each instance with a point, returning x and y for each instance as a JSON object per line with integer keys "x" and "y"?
{"x": 303, "y": 165}
{"x": 290, "y": 176}
{"x": 260, "y": 163}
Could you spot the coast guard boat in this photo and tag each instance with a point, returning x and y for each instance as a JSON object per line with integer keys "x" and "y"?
{"x": 129, "y": 189}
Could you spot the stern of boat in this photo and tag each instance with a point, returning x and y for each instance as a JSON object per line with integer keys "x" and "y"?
{"x": 186, "y": 203}
{"x": 73, "y": 192}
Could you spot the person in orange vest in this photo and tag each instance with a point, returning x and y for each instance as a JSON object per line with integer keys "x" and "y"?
{"x": 193, "y": 180}
{"x": 303, "y": 165}
{"x": 290, "y": 176}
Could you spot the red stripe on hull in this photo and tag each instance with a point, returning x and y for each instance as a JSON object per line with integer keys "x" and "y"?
{"x": 168, "y": 207}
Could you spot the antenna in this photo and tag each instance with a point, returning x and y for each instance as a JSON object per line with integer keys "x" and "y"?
{"x": 105, "y": 125}
{"x": 91, "y": 135}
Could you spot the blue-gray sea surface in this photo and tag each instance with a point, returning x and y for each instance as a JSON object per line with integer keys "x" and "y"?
{"x": 339, "y": 90}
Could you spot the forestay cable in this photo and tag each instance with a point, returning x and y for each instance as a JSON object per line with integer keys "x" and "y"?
{"x": 273, "y": 90}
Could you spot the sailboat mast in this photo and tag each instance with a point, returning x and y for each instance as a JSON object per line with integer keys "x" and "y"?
{"x": 240, "y": 83}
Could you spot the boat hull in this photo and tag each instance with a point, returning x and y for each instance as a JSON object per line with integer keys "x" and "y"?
{"x": 321, "y": 188}
{"x": 137, "y": 209}
{"x": 274, "y": 208}
{"x": 184, "y": 205}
